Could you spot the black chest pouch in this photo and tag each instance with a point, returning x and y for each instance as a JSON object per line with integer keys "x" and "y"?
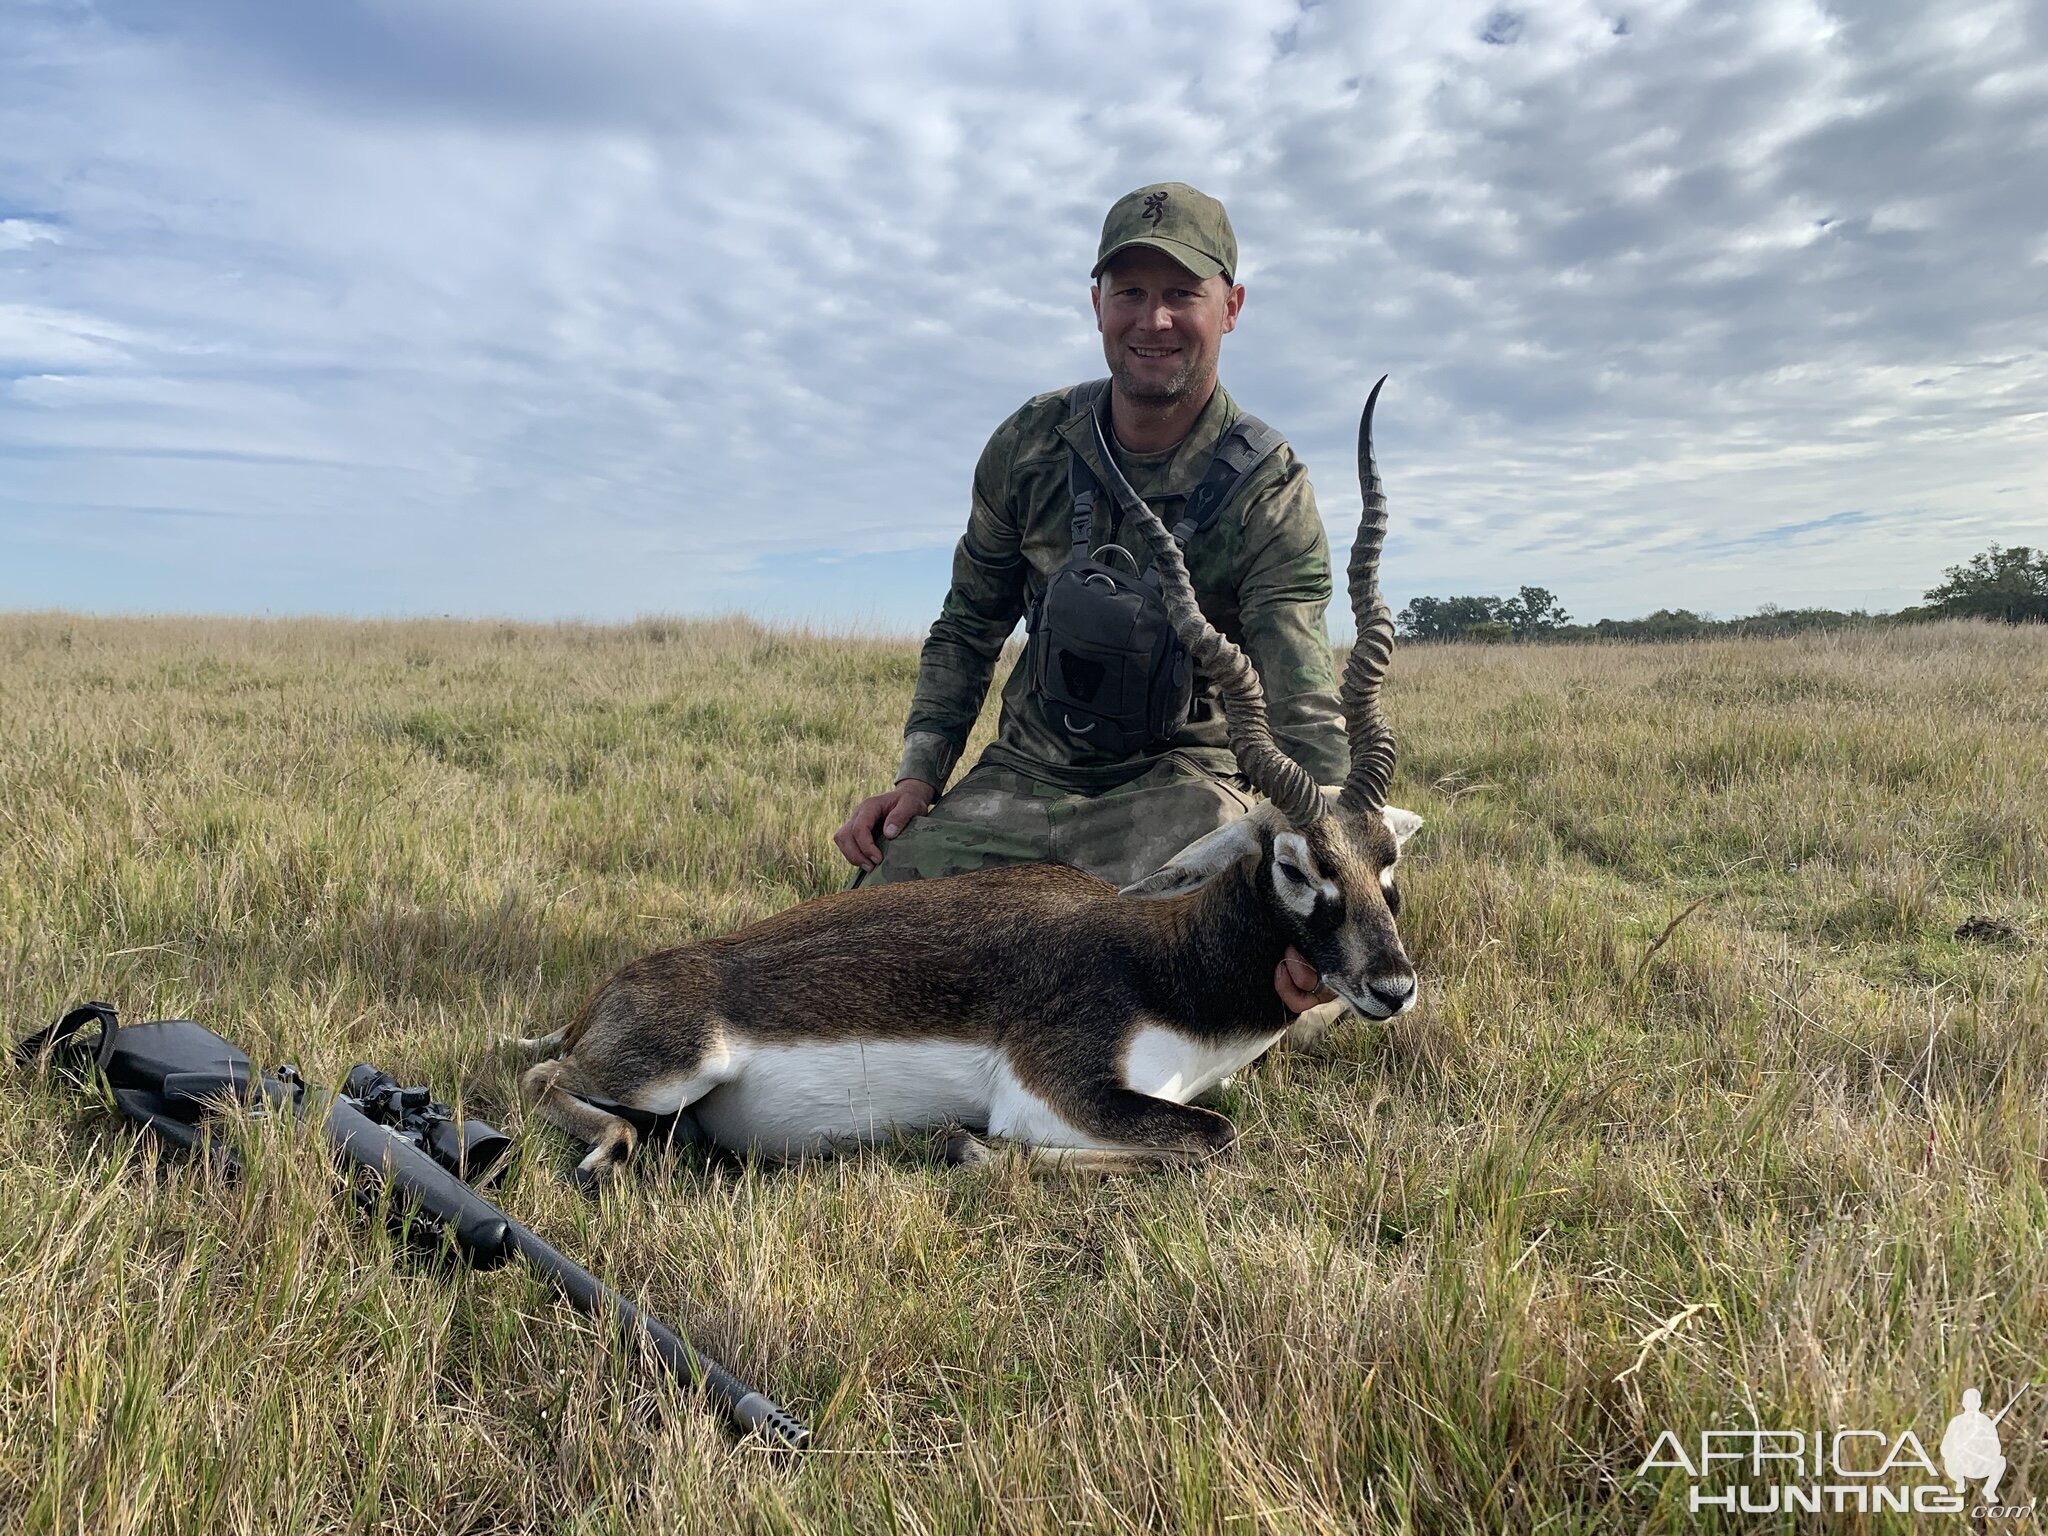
{"x": 1105, "y": 667}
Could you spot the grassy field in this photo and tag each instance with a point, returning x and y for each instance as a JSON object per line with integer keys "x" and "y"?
{"x": 1443, "y": 1284}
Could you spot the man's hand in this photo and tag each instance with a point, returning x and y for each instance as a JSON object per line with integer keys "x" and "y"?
{"x": 1299, "y": 986}
{"x": 885, "y": 814}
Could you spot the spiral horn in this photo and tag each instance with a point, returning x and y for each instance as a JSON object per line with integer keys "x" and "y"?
{"x": 1372, "y": 743}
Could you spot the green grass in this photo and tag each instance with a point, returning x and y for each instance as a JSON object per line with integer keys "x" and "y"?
{"x": 1411, "y": 1299}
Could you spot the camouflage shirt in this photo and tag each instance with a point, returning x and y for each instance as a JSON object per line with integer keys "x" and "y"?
{"x": 1261, "y": 572}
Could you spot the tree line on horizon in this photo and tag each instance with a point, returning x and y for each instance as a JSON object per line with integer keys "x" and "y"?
{"x": 2006, "y": 584}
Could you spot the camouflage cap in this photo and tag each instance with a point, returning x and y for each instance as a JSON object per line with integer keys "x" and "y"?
{"x": 1173, "y": 218}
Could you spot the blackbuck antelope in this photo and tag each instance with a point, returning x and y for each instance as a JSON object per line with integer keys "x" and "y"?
{"x": 1035, "y": 1003}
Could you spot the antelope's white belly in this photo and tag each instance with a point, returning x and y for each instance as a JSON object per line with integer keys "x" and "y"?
{"x": 802, "y": 1098}
{"x": 1170, "y": 1065}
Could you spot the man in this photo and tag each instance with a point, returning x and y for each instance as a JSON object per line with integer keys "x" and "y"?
{"x": 1165, "y": 295}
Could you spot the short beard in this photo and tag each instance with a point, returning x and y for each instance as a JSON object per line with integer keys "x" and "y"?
{"x": 1168, "y": 392}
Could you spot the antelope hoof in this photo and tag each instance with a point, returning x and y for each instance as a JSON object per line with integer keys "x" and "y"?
{"x": 1308, "y": 1029}
{"x": 964, "y": 1149}
{"x": 604, "y": 1162}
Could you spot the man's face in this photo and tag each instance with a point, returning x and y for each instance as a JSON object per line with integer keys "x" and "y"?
{"x": 1161, "y": 325}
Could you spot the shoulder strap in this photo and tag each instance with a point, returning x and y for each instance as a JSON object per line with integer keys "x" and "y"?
{"x": 1082, "y": 484}
{"x": 1244, "y": 447}
{"x": 58, "y": 1037}
{"x": 1246, "y": 444}
{"x": 1086, "y": 399}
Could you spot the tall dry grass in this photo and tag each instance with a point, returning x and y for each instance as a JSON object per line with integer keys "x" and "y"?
{"x": 1415, "y": 1298}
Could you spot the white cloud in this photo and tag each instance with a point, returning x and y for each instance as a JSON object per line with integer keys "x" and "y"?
{"x": 19, "y": 234}
{"x": 500, "y": 308}
{"x": 35, "y": 337}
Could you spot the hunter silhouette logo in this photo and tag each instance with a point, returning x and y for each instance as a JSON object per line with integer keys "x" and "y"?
{"x": 1155, "y": 207}
{"x": 1970, "y": 1451}
{"x": 1759, "y": 1470}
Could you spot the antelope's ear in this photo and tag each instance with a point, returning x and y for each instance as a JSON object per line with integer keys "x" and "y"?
{"x": 1403, "y": 824}
{"x": 1200, "y": 860}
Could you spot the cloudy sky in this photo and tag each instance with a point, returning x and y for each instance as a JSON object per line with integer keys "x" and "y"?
{"x": 636, "y": 306}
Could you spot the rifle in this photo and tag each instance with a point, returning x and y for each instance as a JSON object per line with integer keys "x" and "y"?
{"x": 173, "y": 1076}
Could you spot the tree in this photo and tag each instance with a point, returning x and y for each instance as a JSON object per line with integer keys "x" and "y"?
{"x": 1447, "y": 618}
{"x": 1529, "y": 615}
{"x": 2009, "y": 584}
{"x": 1532, "y": 612}
{"x": 1664, "y": 624}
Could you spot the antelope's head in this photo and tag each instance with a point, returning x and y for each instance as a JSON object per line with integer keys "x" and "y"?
{"x": 1327, "y": 856}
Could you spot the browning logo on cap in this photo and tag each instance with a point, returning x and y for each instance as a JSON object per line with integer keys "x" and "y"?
{"x": 1174, "y": 219}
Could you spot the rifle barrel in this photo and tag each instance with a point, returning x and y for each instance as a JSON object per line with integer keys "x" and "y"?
{"x": 489, "y": 1237}
{"x": 2009, "y": 1406}
{"x": 748, "y": 1409}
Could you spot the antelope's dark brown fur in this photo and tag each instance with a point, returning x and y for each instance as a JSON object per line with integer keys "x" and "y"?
{"x": 1037, "y": 1001}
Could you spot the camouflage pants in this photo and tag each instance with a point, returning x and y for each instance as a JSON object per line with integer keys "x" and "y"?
{"x": 998, "y": 816}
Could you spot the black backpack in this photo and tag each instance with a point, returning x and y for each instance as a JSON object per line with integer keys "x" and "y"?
{"x": 147, "y": 1067}
{"x": 1105, "y": 666}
